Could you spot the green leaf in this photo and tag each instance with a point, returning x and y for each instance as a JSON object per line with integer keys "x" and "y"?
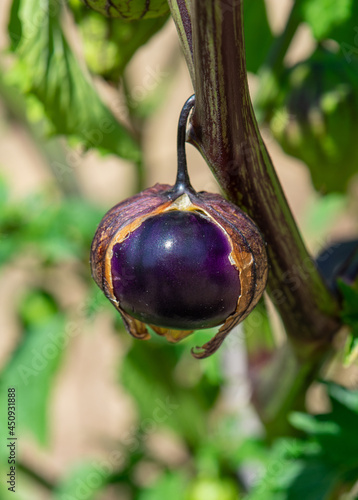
{"x": 350, "y": 303}
{"x": 336, "y": 20}
{"x": 213, "y": 488}
{"x": 167, "y": 391}
{"x": 24, "y": 492}
{"x": 36, "y": 308}
{"x": 316, "y": 117}
{"x": 349, "y": 315}
{"x": 311, "y": 425}
{"x": 322, "y": 214}
{"x": 51, "y": 72}
{"x": 314, "y": 482}
{"x": 84, "y": 481}
{"x": 335, "y": 432}
{"x": 109, "y": 44}
{"x": 283, "y": 465}
{"x": 324, "y": 15}
{"x": 258, "y": 35}
{"x": 312, "y": 469}
{"x": 259, "y": 338}
{"x": 32, "y": 370}
{"x": 170, "y": 485}
{"x": 53, "y": 230}
{"x": 343, "y": 398}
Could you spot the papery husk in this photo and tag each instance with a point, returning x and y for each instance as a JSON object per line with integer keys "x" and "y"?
{"x": 248, "y": 253}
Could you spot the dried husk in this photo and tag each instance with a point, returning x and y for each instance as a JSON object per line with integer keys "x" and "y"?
{"x": 248, "y": 252}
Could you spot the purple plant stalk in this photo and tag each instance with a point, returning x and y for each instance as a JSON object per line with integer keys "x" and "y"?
{"x": 224, "y": 129}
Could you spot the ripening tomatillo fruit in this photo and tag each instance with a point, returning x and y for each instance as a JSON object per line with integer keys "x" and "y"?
{"x": 179, "y": 260}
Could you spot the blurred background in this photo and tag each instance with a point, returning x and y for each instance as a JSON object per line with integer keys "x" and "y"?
{"x": 99, "y": 415}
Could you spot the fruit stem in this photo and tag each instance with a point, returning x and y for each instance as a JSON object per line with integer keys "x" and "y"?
{"x": 182, "y": 183}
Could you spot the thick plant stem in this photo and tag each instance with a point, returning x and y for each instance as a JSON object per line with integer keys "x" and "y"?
{"x": 225, "y": 131}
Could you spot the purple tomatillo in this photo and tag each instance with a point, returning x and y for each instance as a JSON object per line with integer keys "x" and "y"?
{"x": 178, "y": 260}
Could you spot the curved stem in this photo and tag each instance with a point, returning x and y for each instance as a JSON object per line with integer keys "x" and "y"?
{"x": 182, "y": 183}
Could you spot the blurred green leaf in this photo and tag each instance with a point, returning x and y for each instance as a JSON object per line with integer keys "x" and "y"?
{"x": 322, "y": 213}
{"x": 315, "y": 481}
{"x": 170, "y": 485}
{"x": 258, "y": 335}
{"x": 109, "y": 44}
{"x": 283, "y": 464}
{"x": 50, "y": 71}
{"x": 334, "y": 20}
{"x": 130, "y": 10}
{"x": 323, "y": 16}
{"x": 84, "y": 481}
{"x": 349, "y": 315}
{"x": 335, "y": 432}
{"x": 315, "y": 118}
{"x": 37, "y": 307}
{"x": 148, "y": 372}
{"x": 350, "y": 303}
{"x": 310, "y": 425}
{"x": 21, "y": 493}
{"x": 211, "y": 488}
{"x": 343, "y": 399}
{"x": 32, "y": 370}
{"x": 4, "y": 192}
{"x": 315, "y": 467}
{"x": 53, "y": 229}
{"x": 258, "y": 35}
